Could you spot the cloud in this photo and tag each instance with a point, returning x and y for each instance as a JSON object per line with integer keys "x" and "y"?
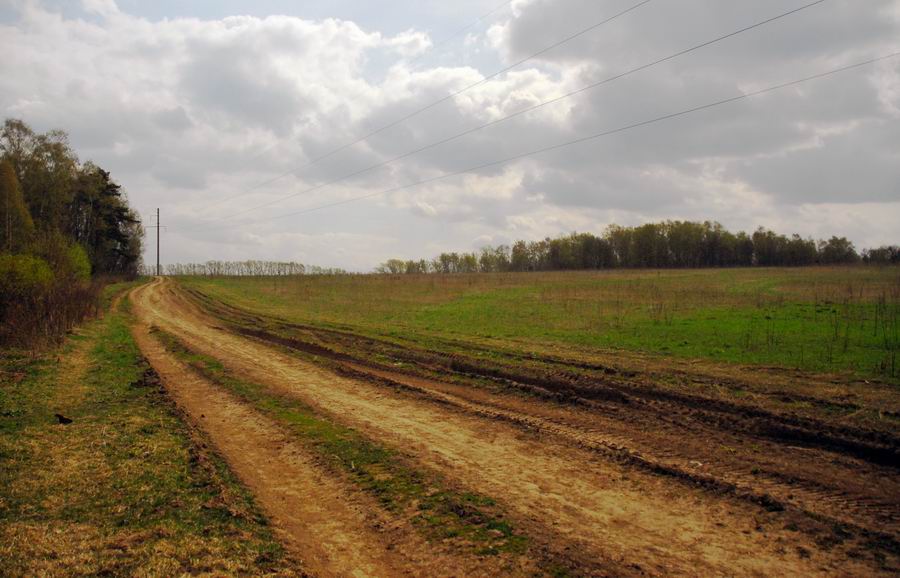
{"x": 410, "y": 43}
{"x": 174, "y": 119}
{"x": 106, "y": 8}
{"x": 187, "y": 112}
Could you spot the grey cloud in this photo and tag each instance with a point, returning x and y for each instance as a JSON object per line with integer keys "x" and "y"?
{"x": 234, "y": 81}
{"x": 188, "y": 111}
{"x": 862, "y": 165}
{"x": 660, "y": 27}
{"x": 177, "y": 173}
{"x": 174, "y": 119}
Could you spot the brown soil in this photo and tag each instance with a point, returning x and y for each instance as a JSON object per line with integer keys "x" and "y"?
{"x": 633, "y": 480}
{"x": 329, "y": 534}
{"x": 767, "y": 458}
{"x": 333, "y": 529}
{"x": 764, "y": 455}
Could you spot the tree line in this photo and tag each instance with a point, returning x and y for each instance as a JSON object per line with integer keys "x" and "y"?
{"x": 669, "y": 244}
{"x": 64, "y": 227}
{"x": 887, "y": 255}
{"x": 250, "y": 268}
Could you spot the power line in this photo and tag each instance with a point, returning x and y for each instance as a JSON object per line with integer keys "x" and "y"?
{"x": 465, "y": 89}
{"x": 585, "y": 139}
{"x": 441, "y": 100}
{"x": 570, "y": 94}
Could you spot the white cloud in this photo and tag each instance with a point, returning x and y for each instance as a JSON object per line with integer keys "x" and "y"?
{"x": 105, "y": 8}
{"x": 410, "y": 43}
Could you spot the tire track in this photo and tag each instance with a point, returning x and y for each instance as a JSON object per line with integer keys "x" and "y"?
{"x": 606, "y": 385}
{"x": 334, "y": 529}
{"x": 761, "y": 485}
{"x": 862, "y": 512}
{"x": 597, "y": 505}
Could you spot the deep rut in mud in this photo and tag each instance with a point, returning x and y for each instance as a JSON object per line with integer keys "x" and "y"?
{"x": 618, "y": 508}
{"x": 752, "y": 453}
{"x": 331, "y": 527}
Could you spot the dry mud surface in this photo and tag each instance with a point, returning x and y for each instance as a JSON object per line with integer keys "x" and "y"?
{"x": 619, "y": 479}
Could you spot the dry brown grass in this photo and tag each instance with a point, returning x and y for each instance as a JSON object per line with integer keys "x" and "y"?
{"x": 127, "y": 488}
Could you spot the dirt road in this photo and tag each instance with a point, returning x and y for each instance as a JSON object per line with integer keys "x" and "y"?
{"x": 566, "y": 480}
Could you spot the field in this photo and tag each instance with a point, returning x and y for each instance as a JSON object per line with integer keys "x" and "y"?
{"x": 690, "y": 423}
{"x": 843, "y": 320}
{"x": 651, "y": 411}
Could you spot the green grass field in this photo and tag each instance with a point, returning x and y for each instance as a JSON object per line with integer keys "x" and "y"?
{"x": 837, "y": 319}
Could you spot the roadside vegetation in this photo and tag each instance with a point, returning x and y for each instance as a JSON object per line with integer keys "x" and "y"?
{"x": 99, "y": 474}
{"x": 66, "y": 230}
{"x": 824, "y": 319}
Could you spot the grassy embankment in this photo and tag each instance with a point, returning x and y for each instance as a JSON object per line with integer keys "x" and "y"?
{"x": 127, "y": 488}
{"x": 836, "y": 319}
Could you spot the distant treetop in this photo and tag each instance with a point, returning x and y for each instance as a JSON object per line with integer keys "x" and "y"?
{"x": 669, "y": 244}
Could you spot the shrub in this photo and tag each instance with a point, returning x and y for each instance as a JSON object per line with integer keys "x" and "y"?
{"x": 24, "y": 277}
{"x": 79, "y": 264}
{"x": 37, "y": 306}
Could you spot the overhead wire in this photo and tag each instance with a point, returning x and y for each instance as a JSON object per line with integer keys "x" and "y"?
{"x": 529, "y": 109}
{"x": 584, "y": 139}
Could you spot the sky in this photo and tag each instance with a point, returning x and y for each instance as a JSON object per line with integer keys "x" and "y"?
{"x": 219, "y": 113}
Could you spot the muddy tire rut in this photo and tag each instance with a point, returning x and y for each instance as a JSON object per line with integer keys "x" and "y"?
{"x": 582, "y": 481}
{"x": 332, "y": 528}
{"x": 775, "y": 471}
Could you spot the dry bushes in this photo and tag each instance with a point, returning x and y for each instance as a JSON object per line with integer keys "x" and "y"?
{"x": 43, "y": 295}
{"x": 44, "y": 318}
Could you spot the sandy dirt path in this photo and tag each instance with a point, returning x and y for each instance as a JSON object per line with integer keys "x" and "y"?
{"x": 637, "y": 523}
{"x": 330, "y": 535}
{"x": 334, "y": 529}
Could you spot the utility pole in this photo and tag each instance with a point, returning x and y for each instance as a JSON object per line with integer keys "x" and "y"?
{"x": 157, "y": 226}
{"x": 8, "y": 224}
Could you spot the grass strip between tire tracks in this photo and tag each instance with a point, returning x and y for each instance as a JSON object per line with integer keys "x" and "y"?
{"x": 468, "y": 520}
